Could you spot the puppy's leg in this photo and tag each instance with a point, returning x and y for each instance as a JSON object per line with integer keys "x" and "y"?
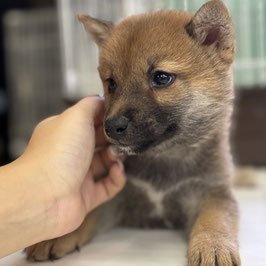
{"x": 213, "y": 239}
{"x": 56, "y": 248}
{"x": 96, "y": 222}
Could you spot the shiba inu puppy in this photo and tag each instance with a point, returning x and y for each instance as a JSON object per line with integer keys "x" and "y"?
{"x": 167, "y": 77}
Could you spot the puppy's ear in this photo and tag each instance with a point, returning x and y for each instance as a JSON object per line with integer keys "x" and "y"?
{"x": 99, "y": 30}
{"x": 212, "y": 25}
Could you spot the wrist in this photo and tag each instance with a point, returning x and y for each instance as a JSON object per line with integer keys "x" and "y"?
{"x": 24, "y": 215}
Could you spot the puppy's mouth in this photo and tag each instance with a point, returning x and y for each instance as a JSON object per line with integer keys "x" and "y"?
{"x": 130, "y": 148}
{"x": 133, "y": 148}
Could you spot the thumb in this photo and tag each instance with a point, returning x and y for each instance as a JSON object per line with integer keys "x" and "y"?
{"x": 95, "y": 193}
{"x": 92, "y": 106}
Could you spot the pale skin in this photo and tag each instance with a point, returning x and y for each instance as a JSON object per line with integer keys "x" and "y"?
{"x": 48, "y": 191}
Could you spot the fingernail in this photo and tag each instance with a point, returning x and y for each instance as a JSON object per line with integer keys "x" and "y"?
{"x": 114, "y": 150}
{"x": 121, "y": 165}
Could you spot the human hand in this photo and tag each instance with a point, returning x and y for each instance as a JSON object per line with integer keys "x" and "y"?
{"x": 61, "y": 154}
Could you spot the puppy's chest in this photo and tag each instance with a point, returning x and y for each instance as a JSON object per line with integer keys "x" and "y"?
{"x": 147, "y": 205}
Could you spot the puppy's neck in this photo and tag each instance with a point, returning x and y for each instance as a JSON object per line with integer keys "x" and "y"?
{"x": 203, "y": 158}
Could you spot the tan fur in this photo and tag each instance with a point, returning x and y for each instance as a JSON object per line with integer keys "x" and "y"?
{"x": 181, "y": 47}
{"x": 207, "y": 244}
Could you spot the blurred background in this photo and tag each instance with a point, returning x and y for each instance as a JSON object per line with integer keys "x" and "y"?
{"x": 47, "y": 62}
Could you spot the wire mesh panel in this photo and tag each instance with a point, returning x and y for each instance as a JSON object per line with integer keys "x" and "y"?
{"x": 33, "y": 72}
{"x": 80, "y": 53}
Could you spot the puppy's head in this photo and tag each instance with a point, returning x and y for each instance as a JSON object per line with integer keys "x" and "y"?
{"x": 166, "y": 76}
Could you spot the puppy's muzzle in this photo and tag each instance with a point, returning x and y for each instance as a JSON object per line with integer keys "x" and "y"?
{"x": 116, "y": 127}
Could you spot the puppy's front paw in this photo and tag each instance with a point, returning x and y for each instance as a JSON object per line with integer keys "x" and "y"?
{"x": 51, "y": 249}
{"x": 208, "y": 249}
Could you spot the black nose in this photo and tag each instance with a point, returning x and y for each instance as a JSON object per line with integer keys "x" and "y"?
{"x": 116, "y": 127}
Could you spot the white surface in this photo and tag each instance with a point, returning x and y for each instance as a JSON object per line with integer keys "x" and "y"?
{"x": 125, "y": 247}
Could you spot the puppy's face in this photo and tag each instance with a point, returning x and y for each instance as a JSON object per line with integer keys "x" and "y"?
{"x": 166, "y": 76}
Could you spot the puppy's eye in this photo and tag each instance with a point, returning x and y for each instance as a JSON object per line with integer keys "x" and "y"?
{"x": 111, "y": 85}
{"x": 161, "y": 79}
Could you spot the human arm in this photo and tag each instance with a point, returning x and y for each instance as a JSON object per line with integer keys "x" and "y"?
{"x": 48, "y": 191}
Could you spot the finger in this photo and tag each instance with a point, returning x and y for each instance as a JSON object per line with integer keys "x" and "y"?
{"x": 98, "y": 120}
{"x": 48, "y": 119}
{"x": 93, "y": 106}
{"x": 100, "y": 137}
{"x": 108, "y": 187}
{"x": 102, "y": 161}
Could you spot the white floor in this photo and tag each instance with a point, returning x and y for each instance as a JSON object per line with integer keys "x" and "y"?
{"x": 123, "y": 247}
